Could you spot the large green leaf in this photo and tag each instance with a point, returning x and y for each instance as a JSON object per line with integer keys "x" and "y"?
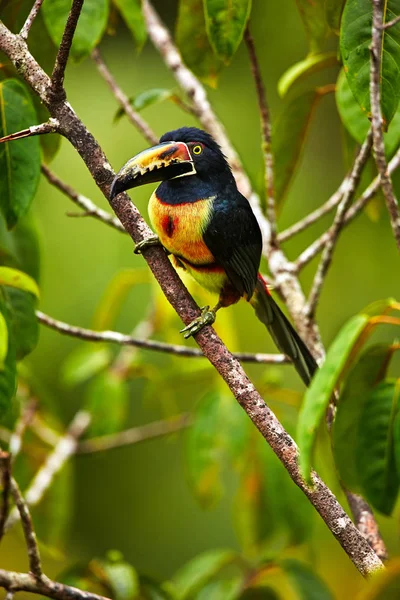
{"x": 357, "y": 122}
{"x": 333, "y": 10}
{"x": 18, "y": 279}
{"x": 355, "y": 41}
{"x": 375, "y": 448}
{"x": 367, "y": 372}
{"x": 225, "y": 23}
{"x": 8, "y": 372}
{"x": 19, "y": 160}
{"x": 25, "y": 326}
{"x": 313, "y": 63}
{"x": 91, "y": 25}
{"x": 307, "y": 583}
{"x": 318, "y": 395}
{"x": 194, "y": 45}
{"x": 107, "y": 400}
{"x": 288, "y": 137}
{"x": 314, "y": 20}
{"x": 131, "y": 11}
{"x": 200, "y": 570}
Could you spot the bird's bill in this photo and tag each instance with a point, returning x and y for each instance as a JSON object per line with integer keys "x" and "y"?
{"x": 168, "y": 160}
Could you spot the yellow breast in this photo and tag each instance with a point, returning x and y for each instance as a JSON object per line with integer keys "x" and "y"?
{"x": 180, "y": 228}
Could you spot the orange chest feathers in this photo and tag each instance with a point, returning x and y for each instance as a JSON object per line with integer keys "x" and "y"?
{"x": 180, "y": 227}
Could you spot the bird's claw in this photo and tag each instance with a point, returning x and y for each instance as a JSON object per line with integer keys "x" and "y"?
{"x": 207, "y": 317}
{"x": 144, "y": 244}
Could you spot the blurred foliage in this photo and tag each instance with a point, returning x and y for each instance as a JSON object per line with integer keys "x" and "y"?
{"x": 258, "y": 537}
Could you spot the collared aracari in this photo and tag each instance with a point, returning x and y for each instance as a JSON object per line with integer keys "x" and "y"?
{"x": 202, "y": 219}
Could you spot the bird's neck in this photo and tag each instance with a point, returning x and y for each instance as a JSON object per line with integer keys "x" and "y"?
{"x": 192, "y": 188}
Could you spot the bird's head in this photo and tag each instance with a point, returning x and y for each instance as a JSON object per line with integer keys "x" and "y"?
{"x": 184, "y": 152}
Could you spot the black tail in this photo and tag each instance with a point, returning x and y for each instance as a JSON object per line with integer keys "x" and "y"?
{"x": 284, "y": 335}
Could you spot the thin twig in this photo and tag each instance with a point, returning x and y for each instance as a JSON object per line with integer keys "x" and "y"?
{"x": 134, "y": 435}
{"x": 353, "y": 180}
{"x": 316, "y": 247}
{"x": 127, "y": 340}
{"x": 266, "y": 135}
{"x": 51, "y": 126}
{"x": 87, "y": 205}
{"x": 35, "y": 566}
{"x": 26, "y": 582}
{"x": 30, "y": 18}
{"x": 377, "y": 119}
{"x": 323, "y": 500}
{"x": 5, "y": 471}
{"x": 314, "y": 216}
{"x": 57, "y": 77}
{"x": 366, "y": 523}
{"x": 390, "y": 23}
{"x": 140, "y": 124}
{"x": 65, "y": 448}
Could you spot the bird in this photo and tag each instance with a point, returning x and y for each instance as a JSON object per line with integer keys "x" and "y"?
{"x": 209, "y": 228}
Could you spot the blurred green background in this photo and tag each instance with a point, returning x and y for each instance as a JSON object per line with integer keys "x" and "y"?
{"x": 137, "y": 499}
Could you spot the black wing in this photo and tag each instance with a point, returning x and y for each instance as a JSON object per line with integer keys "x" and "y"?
{"x": 234, "y": 238}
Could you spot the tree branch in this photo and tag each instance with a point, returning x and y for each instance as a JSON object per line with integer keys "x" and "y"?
{"x": 128, "y": 340}
{"x": 355, "y": 545}
{"x": 5, "y": 472}
{"x": 90, "y": 208}
{"x": 134, "y": 435}
{"x": 377, "y": 119}
{"x": 50, "y": 127}
{"x": 266, "y": 135}
{"x": 65, "y": 448}
{"x": 366, "y": 523}
{"x": 30, "y": 18}
{"x": 57, "y": 77}
{"x": 353, "y": 180}
{"x": 123, "y": 100}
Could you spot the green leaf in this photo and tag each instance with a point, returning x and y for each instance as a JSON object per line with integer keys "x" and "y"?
{"x": 288, "y": 137}
{"x": 90, "y": 29}
{"x": 375, "y": 449}
{"x": 120, "y": 575}
{"x": 317, "y": 396}
{"x": 145, "y": 99}
{"x": 357, "y": 123}
{"x": 19, "y": 160}
{"x": 84, "y": 362}
{"x": 3, "y": 341}
{"x": 18, "y": 279}
{"x": 225, "y": 24}
{"x": 205, "y": 445}
{"x": 314, "y": 20}
{"x": 194, "y": 45}
{"x": 25, "y": 326}
{"x": 131, "y": 11}
{"x": 8, "y": 380}
{"x": 313, "y": 63}
{"x": 107, "y": 400}
{"x": 355, "y": 41}
{"x": 222, "y": 589}
{"x": 306, "y": 583}
{"x": 333, "y": 11}
{"x": 366, "y": 373}
{"x": 200, "y": 570}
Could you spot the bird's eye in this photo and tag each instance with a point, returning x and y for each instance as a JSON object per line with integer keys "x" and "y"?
{"x": 197, "y": 149}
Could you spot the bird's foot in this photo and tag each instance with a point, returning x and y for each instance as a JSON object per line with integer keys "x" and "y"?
{"x": 153, "y": 240}
{"x": 207, "y": 317}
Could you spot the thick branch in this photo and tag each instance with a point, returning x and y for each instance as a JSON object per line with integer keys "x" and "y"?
{"x": 26, "y": 582}
{"x": 377, "y": 119}
{"x": 229, "y": 368}
{"x": 57, "y": 77}
{"x": 334, "y": 231}
{"x": 266, "y": 134}
{"x": 123, "y": 100}
{"x": 128, "y": 340}
{"x": 90, "y": 208}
